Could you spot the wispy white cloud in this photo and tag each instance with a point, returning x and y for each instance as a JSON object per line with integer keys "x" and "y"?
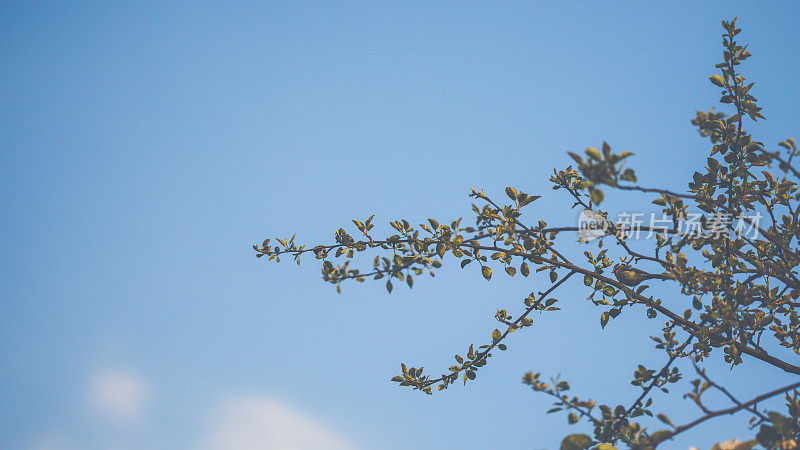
{"x": 118, "y": 395}
{"x": 262, "y": 422}
{"x": 246, "y": 422}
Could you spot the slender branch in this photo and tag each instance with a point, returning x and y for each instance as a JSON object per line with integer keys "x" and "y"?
{"x": 654, "y": 190}
{"x": 702, "y": 373}
{"x": 731, "y": 410}
{"x": 583, "y": 411}
{"x": 482, "y": 356}
{"x": 687, "y": 325}
{"x": 769, "y": 359}
{"x": 661, "y": 373}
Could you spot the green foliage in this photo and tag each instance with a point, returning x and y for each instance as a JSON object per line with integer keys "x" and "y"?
{"x": 740, "y": 291}
{"x": 576, "y": 442}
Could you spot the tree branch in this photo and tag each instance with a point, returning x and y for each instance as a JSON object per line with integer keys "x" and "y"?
{"x": 731, "y": 410}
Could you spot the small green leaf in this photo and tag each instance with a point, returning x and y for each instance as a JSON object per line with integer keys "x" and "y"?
{"x": 512, "y": 193}
{"x": 529, "y": 200}
{"x": 604, "y": 319}
{"x": 628, "y": 175}
{"x": 660, "y": 436}
{"x": 496, "y": 335}
{"x": 717, "y": 80}
{"x": 576, "y": 442}
{"x": 597, "y": 196}
{"x": 767, "y": 435}
{"x": 528, "y": 243}
{"x": 593, "y": 154}
{"x": 781, "y": 423}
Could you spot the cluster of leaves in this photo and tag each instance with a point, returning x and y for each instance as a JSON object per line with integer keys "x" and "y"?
{"x": 740, "y": 291}
{"x": 605, "y": 168}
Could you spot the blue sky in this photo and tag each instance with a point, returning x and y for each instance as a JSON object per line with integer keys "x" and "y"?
{"x": 146, "y": 146}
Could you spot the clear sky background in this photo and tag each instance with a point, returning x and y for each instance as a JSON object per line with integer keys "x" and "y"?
{"x": 144, "y": 147}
